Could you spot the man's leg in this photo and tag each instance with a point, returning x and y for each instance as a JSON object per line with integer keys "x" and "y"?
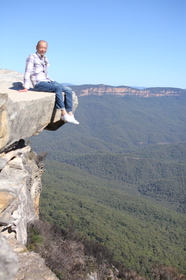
{"x": 66, "y": 109}
{"x": 52, "y": 87}
{"x": 67, "y": 98}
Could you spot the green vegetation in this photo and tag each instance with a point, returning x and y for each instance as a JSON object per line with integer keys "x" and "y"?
{"x": 114, "y": 124}
{"x": 119, "y": 178}
{"x": 163, "y": 181}
{"x": 71, "y": 256}
{"x": 139, "y": 233}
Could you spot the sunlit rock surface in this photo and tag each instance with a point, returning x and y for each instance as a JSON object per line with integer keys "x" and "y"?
{"x": 24, "y": 114}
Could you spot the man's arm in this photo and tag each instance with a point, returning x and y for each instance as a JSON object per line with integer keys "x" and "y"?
{"x": 28, "y": 70}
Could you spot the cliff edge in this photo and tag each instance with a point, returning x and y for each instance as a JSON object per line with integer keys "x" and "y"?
{"x": 22, "y": 115}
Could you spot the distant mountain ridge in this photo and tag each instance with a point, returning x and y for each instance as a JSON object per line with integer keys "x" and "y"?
{"x": 85, "y": 90}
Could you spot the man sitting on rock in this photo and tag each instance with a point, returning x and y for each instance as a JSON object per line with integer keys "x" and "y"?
{"x": 36, "y": 70}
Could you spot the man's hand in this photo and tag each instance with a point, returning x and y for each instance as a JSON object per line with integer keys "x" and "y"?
{"x": 23, "y": 90}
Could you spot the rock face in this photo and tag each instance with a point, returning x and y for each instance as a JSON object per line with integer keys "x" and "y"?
{"x": 8, "y": 261}
{"x": 20, "y": 187}
{"x": 32, "y": 267}
{"x": 99, "y": 90}
{"x": 23, "y": 115}
{"x": 17, "y": 263}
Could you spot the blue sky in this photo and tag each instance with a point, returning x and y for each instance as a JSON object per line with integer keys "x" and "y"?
{"x": 118, "y": 42}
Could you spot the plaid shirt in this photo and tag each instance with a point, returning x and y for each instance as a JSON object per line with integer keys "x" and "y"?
{"x": 36, "y": 70}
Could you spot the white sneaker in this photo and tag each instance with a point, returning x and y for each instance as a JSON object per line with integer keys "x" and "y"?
{"x": 69, "y": 118}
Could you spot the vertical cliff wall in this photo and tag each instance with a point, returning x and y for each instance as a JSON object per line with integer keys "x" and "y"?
{"x": 20, "y": 187}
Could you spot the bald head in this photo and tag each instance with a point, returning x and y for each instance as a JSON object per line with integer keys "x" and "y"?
{"x": 42, "y": 47}
{"x": 42, "y": 41}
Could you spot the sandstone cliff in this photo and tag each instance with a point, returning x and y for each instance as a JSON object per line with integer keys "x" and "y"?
{"x": 22, "y": 115}
{"x": 99, "y": 90}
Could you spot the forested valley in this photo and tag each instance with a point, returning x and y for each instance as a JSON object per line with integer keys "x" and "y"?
{"x": 119, "y": 178}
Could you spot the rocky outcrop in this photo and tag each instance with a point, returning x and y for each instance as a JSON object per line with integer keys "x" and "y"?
{"x": 32, "y": 267}
{"x": 23, "y": 115}
{"x": 8, "y": 261}
{"x": 20, "y": 187}
{"x": 17, "y": 263}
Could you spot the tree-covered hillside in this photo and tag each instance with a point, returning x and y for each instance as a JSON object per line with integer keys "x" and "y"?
{"x": 114, "y": 124}
{"x": 161, "y": 181}
{"x": 120, "y": 178}
{"x": 139, "y": 233}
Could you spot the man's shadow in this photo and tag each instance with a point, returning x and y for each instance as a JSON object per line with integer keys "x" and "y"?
{"x": 18, "y": 86}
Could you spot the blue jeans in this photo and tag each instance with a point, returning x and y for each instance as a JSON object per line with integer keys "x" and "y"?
{"x": 58, "y": 89}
